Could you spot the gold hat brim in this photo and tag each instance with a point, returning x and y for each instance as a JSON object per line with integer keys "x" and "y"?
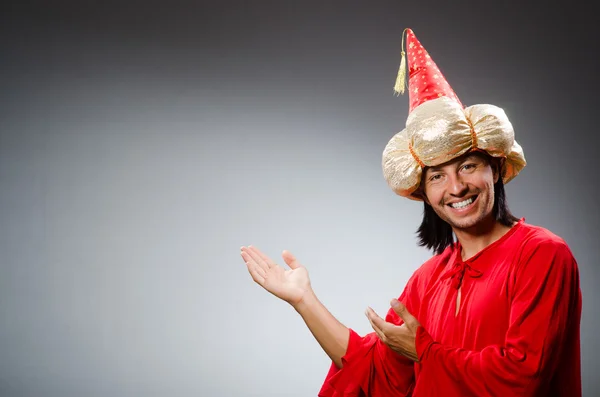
{"x": 440, "y": 130}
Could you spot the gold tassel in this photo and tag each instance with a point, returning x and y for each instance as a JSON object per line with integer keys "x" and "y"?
{"x": 401, "y": 78}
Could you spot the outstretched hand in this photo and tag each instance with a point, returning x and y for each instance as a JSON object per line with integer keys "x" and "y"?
{"x": 291, "y": 284}
{"x": 399, "y": 338}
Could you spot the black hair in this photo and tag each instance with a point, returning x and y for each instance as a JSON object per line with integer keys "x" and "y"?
{"x": 436, "y": 234}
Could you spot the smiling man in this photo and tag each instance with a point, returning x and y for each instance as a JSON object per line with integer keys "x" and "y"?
{"x": 496, "y": 311}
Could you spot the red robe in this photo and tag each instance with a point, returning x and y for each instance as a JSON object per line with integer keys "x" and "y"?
{"x": 516, "y": 332}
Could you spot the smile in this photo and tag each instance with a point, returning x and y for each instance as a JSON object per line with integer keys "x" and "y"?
{"x": 464, "y": 203}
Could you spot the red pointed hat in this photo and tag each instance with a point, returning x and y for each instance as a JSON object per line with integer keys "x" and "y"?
{"x": 439, "y": 128}
{"x": 425, "y": 80}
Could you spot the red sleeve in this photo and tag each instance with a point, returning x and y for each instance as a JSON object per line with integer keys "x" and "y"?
{"x": 370, "y": 367}
{"x": 546, "y": 303}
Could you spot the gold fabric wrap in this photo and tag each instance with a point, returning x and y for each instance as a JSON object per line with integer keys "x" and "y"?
{"x": 440, "y": 130}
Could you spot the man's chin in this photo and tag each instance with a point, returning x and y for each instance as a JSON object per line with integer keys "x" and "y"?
{"x": 463, "y": 223}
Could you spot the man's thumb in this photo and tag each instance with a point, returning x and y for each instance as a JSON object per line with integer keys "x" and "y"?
{"x": 290, "y": 259}
{"x": 399, "y": 308}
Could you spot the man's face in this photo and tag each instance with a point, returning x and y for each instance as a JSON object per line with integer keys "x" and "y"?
{"x": 461, "y": 191}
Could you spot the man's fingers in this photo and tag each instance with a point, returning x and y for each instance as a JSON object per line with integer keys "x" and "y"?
{"x": 252, "y": 265}
{"x": 254, "y": 257}
{"x": 268, "y": 261}
{"x": 400, "y": 309}
{"x": 379, "y": 324}
{"x": 257, "y": 273}
{"x": 290, "y": 259}
{"x": 404, "y": 314}
{"x": 377, "y": 330}
{"x": 249, "y": 259}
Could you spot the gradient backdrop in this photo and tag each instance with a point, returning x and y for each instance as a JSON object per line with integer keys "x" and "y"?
{"x": 142, "y": 143}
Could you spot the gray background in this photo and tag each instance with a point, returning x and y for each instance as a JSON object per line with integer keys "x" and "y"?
{"x": 141, "y": 144}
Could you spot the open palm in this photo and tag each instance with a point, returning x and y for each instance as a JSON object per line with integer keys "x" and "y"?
{"x": 288, "y": 284}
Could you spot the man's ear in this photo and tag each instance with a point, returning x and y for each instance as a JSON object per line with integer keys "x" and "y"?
{"x": 420, "y": 193}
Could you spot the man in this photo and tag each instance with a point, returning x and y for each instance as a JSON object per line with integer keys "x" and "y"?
{"x": 494, "y": 313}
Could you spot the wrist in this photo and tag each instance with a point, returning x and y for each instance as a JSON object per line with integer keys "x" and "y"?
{"x": 306, "y": 303}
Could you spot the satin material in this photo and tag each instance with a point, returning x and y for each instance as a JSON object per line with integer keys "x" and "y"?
{"x": 516, "y": 332}
{"x": 440, "y": 130}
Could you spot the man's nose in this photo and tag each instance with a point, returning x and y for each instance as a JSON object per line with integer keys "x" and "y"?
{"x": 457, "y": 187}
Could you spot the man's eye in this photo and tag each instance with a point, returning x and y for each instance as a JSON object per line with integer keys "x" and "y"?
{"x": 435, "y": 177}
{"x": 469, "y": 166}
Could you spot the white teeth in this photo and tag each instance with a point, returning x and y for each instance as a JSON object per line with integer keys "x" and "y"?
{"x": 462, "y": 204}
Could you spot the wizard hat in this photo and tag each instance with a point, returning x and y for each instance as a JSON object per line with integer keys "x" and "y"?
{"x": 439, "y": 128}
